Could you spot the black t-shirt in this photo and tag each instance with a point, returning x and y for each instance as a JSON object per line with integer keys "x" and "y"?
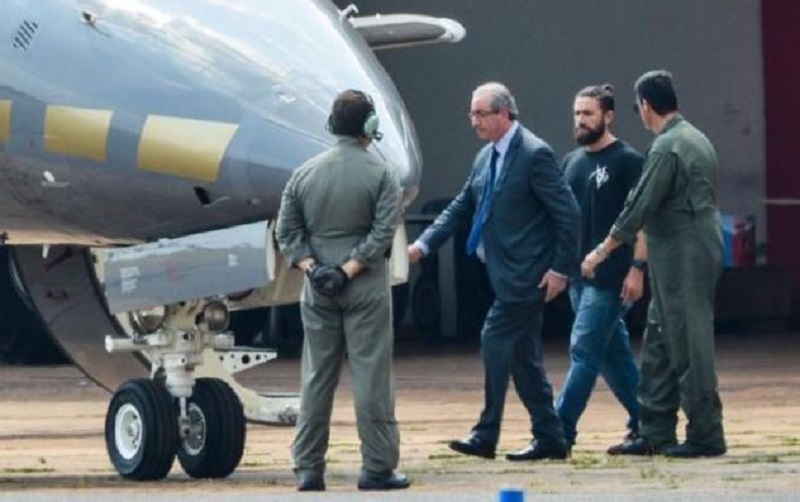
{"x": 601, "y": 182}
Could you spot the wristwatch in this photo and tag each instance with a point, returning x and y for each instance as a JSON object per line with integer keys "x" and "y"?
{"x": 639, "y": 265}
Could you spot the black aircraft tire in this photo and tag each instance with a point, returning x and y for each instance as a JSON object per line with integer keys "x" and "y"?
{"x": 142, "y": 430}
{"x": 215, "y": 444}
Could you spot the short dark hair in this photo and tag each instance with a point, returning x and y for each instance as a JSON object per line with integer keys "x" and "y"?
{"x": 604, "y": 94}
{"x": 657, "y": 89}
{"x": 349, "y": 112}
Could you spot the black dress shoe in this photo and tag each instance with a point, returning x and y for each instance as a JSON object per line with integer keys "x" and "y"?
{"x": 639, "y": 446}
{"x": 692, "y": 450}
{"x": 474, "y": 446}
{"x": 540, "y": 451}
{"x": 310, "y": 481}
{"x": 384, "y": 481}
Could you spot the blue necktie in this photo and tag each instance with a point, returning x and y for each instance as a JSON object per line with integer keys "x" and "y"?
{"x": 477, "y": 226}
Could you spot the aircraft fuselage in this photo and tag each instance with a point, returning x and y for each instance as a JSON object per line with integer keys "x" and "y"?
{"x": 132, "y": 121}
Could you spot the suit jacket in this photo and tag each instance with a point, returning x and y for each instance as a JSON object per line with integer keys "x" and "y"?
{"x": 532, "y": 224}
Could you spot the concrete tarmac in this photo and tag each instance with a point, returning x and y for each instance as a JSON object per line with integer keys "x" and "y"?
{"x": 52, "y": 440}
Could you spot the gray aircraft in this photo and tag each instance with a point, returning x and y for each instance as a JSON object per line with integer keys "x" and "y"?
{"x": 144, "y": 145}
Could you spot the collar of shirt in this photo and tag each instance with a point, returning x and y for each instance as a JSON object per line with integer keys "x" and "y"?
{"x": 672, "y": 122}
{"x": 502, "y": 145}
{"x": 502, "y": 148}
{"x": 347, "y": 140}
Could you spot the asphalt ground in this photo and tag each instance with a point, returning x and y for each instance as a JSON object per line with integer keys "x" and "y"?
{"x": 52, "y": 442}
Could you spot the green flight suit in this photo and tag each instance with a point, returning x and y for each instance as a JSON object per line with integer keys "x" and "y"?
{"x": 344, "y": 204}
{"x": 675, "y": 202}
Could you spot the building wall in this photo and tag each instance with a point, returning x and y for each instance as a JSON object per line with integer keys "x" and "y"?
{"x": 782, "y": 74}
{"x": 545, "y": 50}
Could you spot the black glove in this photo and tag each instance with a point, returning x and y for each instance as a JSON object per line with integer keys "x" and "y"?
{"x": 327, "y": 280}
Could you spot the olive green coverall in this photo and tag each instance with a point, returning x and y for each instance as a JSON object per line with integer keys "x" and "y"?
{"x": 344, "y": 204}
{"x": 675, "y": 202}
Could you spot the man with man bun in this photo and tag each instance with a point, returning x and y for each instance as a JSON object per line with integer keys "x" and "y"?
{"x": 600, "y": 173}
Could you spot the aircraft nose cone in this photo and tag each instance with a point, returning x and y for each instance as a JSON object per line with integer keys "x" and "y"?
{"x": 399, "y": 145}
{"x": 287, "y": 122}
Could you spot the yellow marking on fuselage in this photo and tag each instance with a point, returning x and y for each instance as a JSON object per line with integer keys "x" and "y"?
{"x": 77, "y": 132}
{"x": 5, "y": 120}
{"x": 183, "y": 147}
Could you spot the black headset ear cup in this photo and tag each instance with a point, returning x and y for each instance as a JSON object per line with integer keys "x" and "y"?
{"x": 329, "y": 124}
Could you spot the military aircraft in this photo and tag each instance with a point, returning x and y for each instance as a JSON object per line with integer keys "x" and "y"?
{"x": 144, "y": 145}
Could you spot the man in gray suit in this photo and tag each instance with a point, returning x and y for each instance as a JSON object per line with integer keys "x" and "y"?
{"x": 525, "y": 229}
{"x": 337, "y": 220}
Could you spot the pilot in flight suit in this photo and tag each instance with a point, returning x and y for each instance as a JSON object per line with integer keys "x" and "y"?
{"x": 676, "y": 201}
{"x": 337, "y": 220}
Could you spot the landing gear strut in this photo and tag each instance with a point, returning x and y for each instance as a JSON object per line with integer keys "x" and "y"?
{"x": 201, "y": 420}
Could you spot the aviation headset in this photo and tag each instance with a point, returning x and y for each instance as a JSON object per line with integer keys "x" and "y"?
{"x": 371, "y": 123}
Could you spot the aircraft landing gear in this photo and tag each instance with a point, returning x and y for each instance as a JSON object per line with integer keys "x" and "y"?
{"x": 214, "y": 444}
{"x": 141, "y": 430}
{"x": 201, "y": 420}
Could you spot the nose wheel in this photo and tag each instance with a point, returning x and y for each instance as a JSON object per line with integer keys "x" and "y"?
{"x": 142, "y": 430}
{"x": 215, "y": 431}
{"x": 180, "y": 412}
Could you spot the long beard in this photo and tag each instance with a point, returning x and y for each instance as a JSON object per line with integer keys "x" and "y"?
{"x": 587, "y": 136}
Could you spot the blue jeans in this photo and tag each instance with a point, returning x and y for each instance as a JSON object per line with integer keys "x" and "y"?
{"x": 599, "y": 344}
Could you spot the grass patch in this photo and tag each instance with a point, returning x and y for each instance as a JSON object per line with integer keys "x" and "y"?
{"x": 343, "y": 444}
{"x": 653, "y": 472}
{"x": 650, "y": 471}
{"x": 443, "y": 456}
{"x": 522, "y": 469}
{"x": 28, "y": 470}
{"x": 756, "y": 459}
{"x": 787, "y": 440}
{"x": 617, "y": 461}
{"x": 672, "y": 482}
{"x": 598, "y": 462}
{"x": 733, "y": 479}
{"x": 41, "y": 468}
{"x": 584, "y": 462}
